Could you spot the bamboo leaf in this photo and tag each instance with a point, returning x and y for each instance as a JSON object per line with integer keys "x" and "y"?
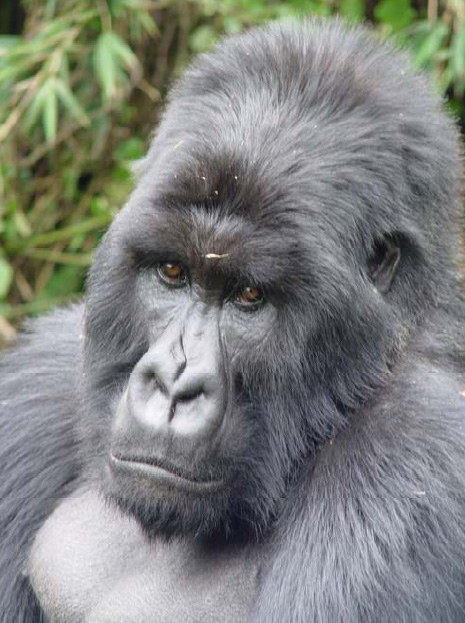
{"x": 91, "y": 224}
{"x": 22, "y": 224}
{"x": 446, "y": 79}
{"x": 64, "y": 280}
{"x": 353, "y": 9}
{"x": 396, "y": 13}
{"x": 202, "y": 38}
{"x": 121, "y": 50}
{"x": 8, "y": 72}
{"x": 6, "y": 277}
{"x": 34, "y": 110}
{"x": 104, "y": 64}
{"x": 64, "y": 69}
{"x": 50, "y": 113}
{"x": 49, "y": 9}
{"x": 458, "y": 53}
{"x": 147, "y": 23}
{"x": 70, "y": 102}
{"x": 430, "y": 45}
{"x": 70, "y": 259}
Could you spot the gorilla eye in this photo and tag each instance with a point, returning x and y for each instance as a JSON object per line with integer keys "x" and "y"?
{"x": 249, "y": 297}
{"x": 172, "y": 274}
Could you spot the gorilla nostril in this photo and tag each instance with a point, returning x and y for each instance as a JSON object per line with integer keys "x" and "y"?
{"x": 148, "y": 376}
{"x": 153, "y": 382}
{"x": 189, "y": 396}
{"x": 184, "y": 400}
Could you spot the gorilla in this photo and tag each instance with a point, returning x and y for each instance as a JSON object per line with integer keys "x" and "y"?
{"x": 258, "y": 413}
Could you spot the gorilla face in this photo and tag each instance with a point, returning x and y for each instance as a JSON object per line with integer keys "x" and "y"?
{"x": 222, "y": 400}
{"x": 261, "y": 281}
{"x": 194, "y": 426}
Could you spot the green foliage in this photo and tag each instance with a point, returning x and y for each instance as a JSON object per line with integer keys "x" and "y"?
{"x": 112, "y": 58}
{"x": 6, "y": 277}
{"x": 80, "y": 90}
{"x": 396, "y": 13}
{"x": 352, "y": 10}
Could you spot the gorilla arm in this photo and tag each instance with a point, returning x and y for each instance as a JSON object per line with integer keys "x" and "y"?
{"x": 38, "y": 449}
{"x": 382, "y": 524}
{"x": 90, "y": 563}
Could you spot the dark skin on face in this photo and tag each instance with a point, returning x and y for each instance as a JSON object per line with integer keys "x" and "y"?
{"x": 173, "y": 420}
{"x": 175, "y": 430}
{"x": 178, "y": 392}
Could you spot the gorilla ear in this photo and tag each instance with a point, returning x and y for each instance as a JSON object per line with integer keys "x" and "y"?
{"x": 383, "y": 262}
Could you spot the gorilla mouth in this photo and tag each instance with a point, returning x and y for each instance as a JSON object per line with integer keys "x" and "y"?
{"x": 162, "y": 473}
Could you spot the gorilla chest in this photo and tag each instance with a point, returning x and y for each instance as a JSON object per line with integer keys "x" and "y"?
{"x": 89, "y": 564}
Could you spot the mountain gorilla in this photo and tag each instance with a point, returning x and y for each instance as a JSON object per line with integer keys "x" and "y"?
{"x": 258, "y": 415}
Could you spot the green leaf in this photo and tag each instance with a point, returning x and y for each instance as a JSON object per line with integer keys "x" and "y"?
{"x": 446, "y": 79}
{"x": 116, "y": 7}
{"x": 7, "y": 72}
{"x": 430, "y": 45}
{"x": 130, "y": 149}
{"x": 50, "y": 113}
{"x": 147, "y": 23}
{"x": 77, "y": 242}
{"x": 98, "y": 206}
{"x": 64, "y": 69}
{"x": 110, "y": 56}
{"x": 105, "y": 68}
{"x": 50, "y": 6}
{"x": 34, "y": 110}
{"x": 232, "y": 25}
{"x": 202, "y": 38}
{"x": 6, "y": 277}
{"x": 458, "y": 53}
{"x": 70, "y": 102}
{"x": 397, "y": 14}
{"x": 353, "y": 9}
{"x": 65, "y": 280}
{"x": 133, "y": 5}
{"x": 22, "y": 224}
{"x": 121, "y": 50}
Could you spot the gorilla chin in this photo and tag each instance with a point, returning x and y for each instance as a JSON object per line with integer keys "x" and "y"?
{"x": 169, "y": 500}
{"x": 176, "y": 505}
{"x": 167, "y": 464}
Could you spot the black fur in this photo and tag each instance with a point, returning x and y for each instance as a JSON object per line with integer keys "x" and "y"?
{"x": 295, "y": 151}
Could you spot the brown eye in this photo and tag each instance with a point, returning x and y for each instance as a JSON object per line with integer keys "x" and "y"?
{"x": 249, "y": 297}
{"x": 172, "y": 274}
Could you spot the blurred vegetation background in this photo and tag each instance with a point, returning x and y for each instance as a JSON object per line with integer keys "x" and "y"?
{"x": 81, "y": 86}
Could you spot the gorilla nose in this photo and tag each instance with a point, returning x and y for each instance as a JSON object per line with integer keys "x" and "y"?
{"x": 171, "y": 391}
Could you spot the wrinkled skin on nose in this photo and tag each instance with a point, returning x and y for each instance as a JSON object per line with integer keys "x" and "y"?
{"x": 180, "y": 383}
{"x": 177, "y": 394}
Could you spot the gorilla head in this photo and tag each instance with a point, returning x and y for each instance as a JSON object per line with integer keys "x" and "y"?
{"x": 290, "y": 228}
